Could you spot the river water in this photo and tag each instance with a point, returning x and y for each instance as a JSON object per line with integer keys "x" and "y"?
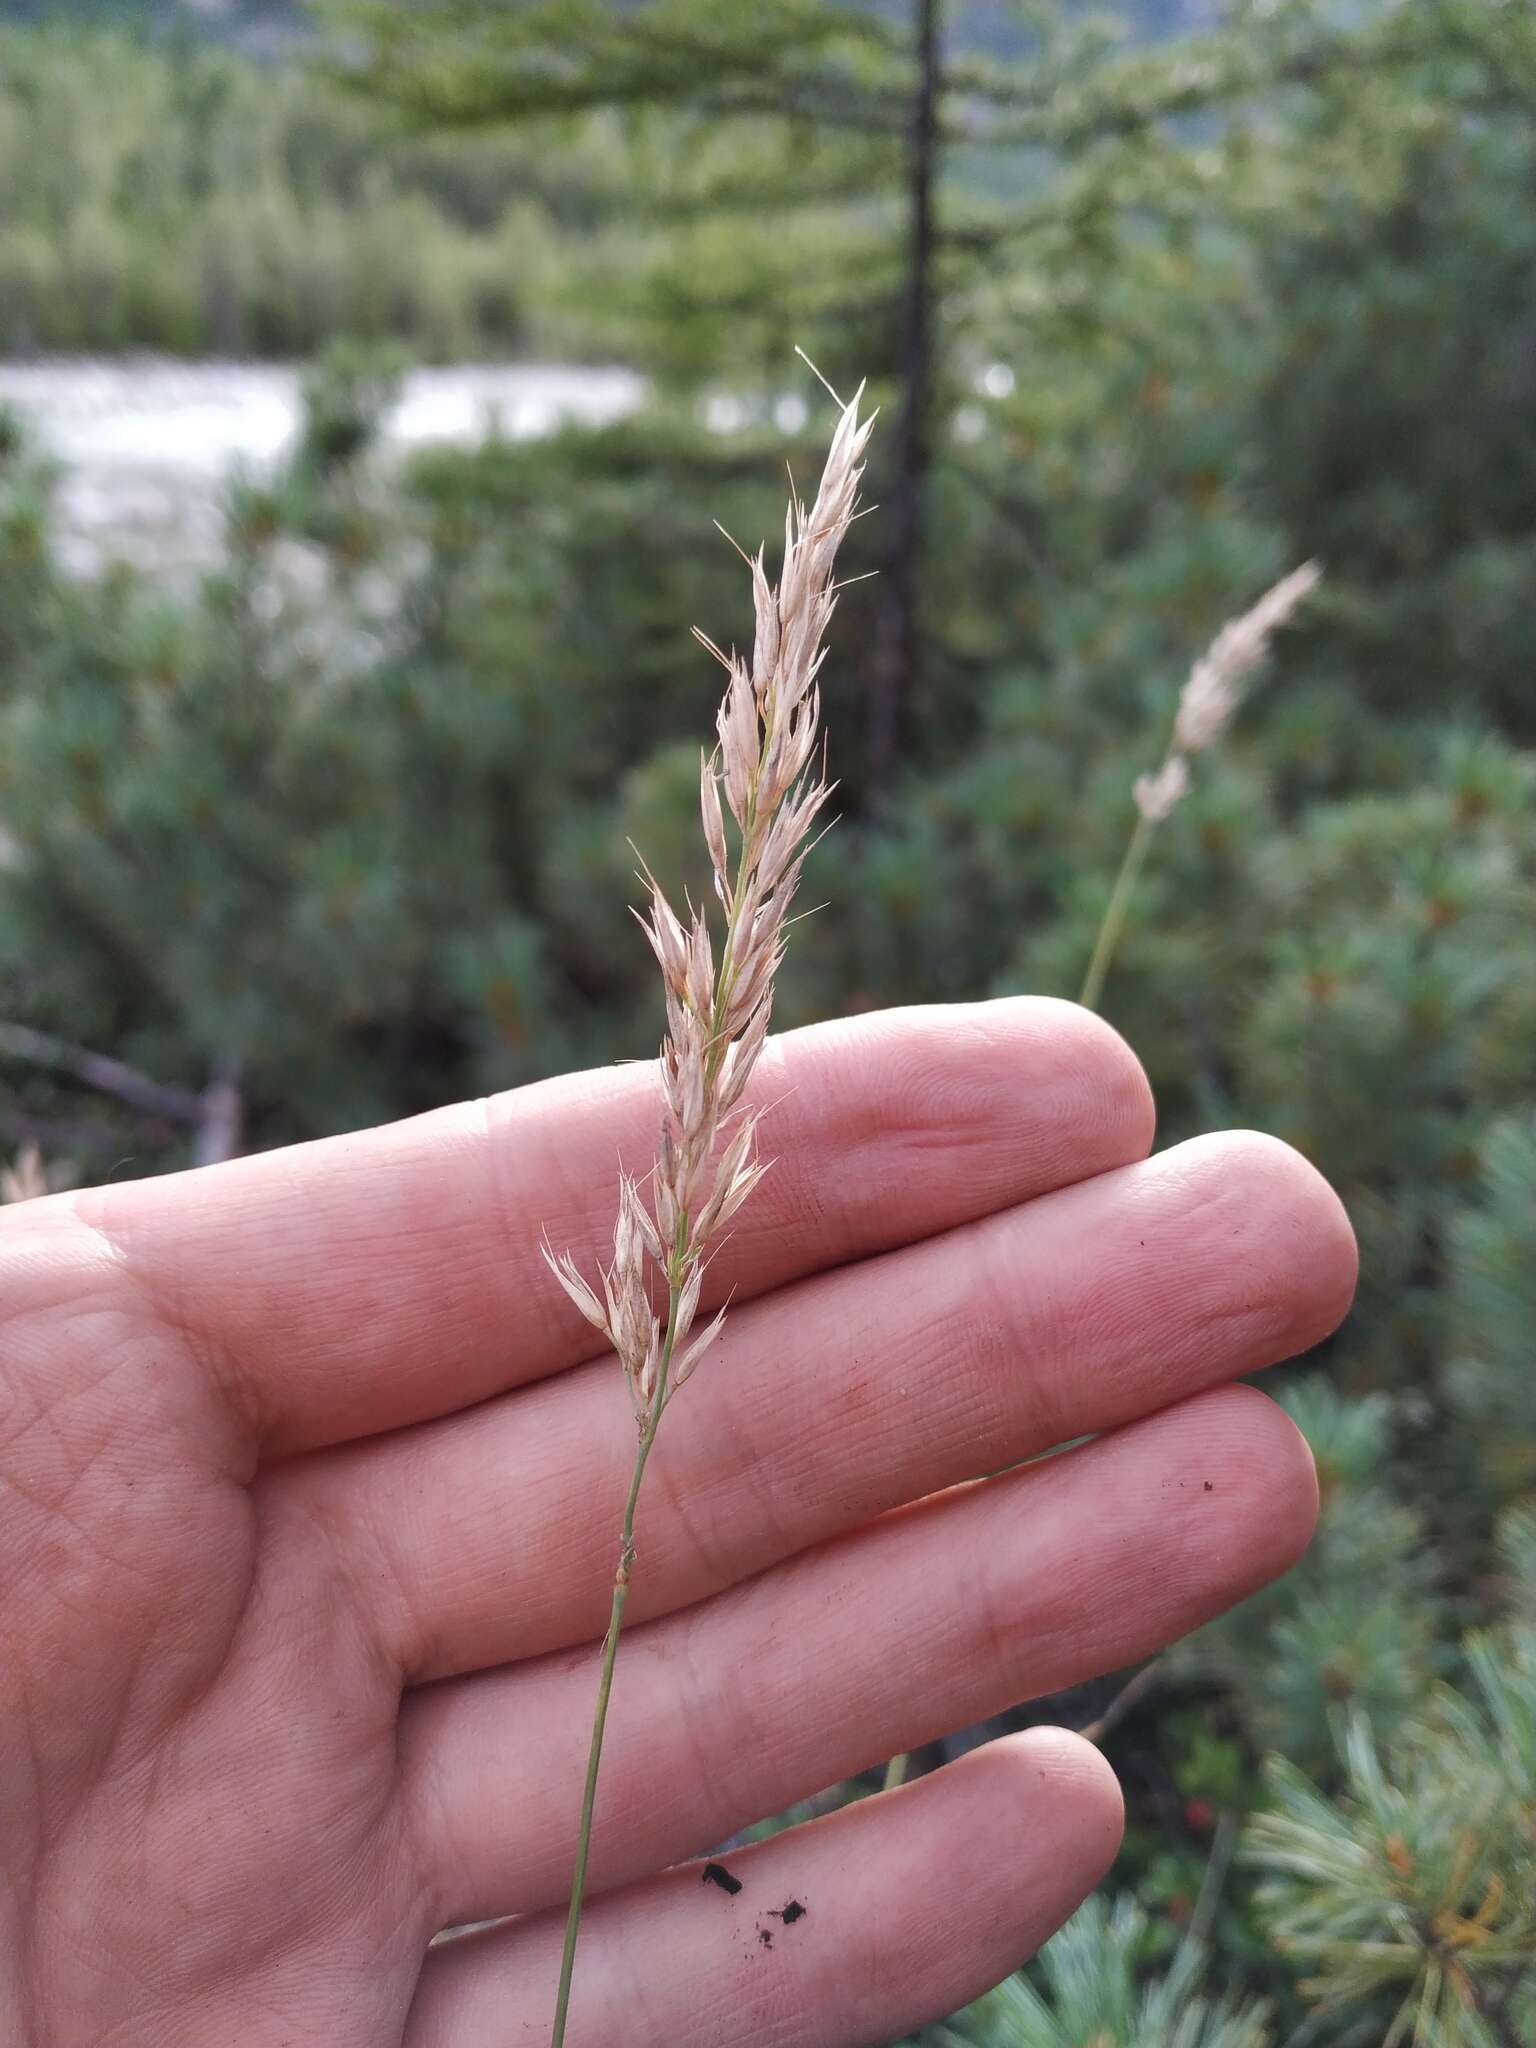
{"x": 145, "y": 446}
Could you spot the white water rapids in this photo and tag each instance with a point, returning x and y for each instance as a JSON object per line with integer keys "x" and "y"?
{"x": 145, "y": 446}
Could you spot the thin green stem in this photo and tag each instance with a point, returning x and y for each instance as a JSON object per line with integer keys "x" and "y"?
{"x": 1110, "y": 927}
{"x": 1114, "y": 913}
{"x": 610, "y": 1653}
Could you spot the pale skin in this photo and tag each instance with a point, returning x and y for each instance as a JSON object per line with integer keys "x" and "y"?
{"x": 309, "y": 1486}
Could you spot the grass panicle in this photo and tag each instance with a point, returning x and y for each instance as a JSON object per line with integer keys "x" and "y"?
{"x": 765, "y": 776}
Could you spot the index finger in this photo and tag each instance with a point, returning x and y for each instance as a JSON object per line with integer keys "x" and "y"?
{"x": 359, "y": 1283}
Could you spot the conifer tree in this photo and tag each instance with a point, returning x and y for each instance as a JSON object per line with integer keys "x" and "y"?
{"x": 801, "y": 191}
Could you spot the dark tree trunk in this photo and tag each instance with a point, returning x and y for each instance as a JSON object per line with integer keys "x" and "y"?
{"x": 897, "y": 662}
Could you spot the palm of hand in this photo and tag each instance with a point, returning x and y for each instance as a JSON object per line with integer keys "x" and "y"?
{"x": 308, "y": 1504}
{"x": 200, "y": 1730}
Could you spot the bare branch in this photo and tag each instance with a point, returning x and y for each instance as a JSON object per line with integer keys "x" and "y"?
{"x": 98, "y": 1070}
{"x": 1135, "y": 1689}
{"x": 221, "y": 1125}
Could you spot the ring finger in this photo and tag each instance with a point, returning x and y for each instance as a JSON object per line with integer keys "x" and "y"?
{"x": 926, "y": 1620}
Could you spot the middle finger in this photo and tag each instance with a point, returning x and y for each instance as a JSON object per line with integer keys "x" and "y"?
{"x": 490, "y": 1537}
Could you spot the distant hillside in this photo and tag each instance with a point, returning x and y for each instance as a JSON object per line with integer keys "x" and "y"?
{"x": 265, "y": 25}
{"x": 272, "y": 25}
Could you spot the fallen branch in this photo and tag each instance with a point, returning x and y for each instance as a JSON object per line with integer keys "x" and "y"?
{"x": 98, "y": 1070}
{"x": 216, "y": 1116}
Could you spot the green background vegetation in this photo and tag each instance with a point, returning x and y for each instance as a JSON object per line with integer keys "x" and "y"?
{"x": 1263, "y": 293}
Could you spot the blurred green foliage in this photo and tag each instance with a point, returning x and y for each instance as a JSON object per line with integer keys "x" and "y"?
{"x": 1098, "y": 1984}
{"x": 353, "y": 816}
{"x": 1414, "y": 1891}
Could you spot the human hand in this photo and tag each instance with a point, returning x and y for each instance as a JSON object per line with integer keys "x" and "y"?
{"x": 309, "y": 1503}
